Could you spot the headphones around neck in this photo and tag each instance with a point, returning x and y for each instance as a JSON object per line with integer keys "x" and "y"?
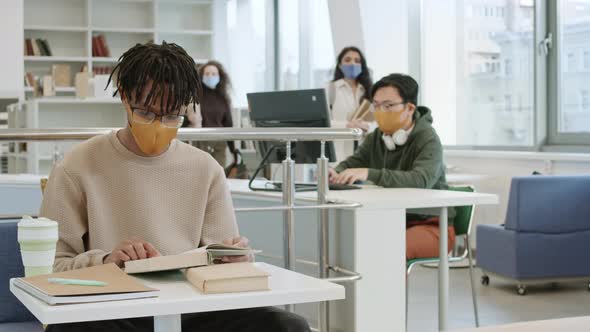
{"x": 400, "y": 137}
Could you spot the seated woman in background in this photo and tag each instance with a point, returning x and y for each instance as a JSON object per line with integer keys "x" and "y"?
{"x": 215, "y": 108}
{"x": 350, "y": 86}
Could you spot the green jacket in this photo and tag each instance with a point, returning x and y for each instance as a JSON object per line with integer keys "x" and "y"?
{"x": 416, "y": 164}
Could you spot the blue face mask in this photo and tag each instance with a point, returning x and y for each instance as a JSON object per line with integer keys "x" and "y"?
{"x": 211, "y": 81}
{"x": 351, "y": 71}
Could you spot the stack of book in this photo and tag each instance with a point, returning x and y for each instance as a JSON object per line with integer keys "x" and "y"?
{"x": 202, "y": 272}
{"x": 99, "y": 47}
{"x": 37, "y": 47}
{"x": 102, "y": 70}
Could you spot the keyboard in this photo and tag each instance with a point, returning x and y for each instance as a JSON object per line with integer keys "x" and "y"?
{"x": 278, "y": 186}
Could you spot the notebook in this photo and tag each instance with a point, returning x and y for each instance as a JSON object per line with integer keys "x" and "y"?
{"x": 198, "y": 257}
{"x": 120, "y": 286}
{"x": 228, "y": 278}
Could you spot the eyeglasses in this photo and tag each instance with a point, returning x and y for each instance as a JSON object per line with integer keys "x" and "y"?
{"x": 387, "y": 106}
{"x": 143, "y": 116}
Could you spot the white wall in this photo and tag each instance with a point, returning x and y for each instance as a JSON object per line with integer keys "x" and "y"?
{"x": 11, "y": 57}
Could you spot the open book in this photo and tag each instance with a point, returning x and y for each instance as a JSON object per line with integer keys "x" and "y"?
{"x": 199, "y": 257}
{"x": 119, "y": 286}
{"x": 228, "y": 278}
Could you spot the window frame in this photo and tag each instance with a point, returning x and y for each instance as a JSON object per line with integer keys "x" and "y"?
{"x": 555, "y": 137}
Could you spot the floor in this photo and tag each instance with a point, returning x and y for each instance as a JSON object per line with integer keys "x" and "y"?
{"x": 498, "y": 302}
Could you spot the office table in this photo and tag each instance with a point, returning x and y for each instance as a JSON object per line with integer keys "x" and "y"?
{"x": 177, "y": 297}
{"x": 372, "y": 244}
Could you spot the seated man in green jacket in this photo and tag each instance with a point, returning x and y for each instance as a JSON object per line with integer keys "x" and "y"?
{"x": 403, "y": 152}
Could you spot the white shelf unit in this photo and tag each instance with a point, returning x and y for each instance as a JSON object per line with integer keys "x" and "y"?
{"x": 57, "y": 112}
{"x": 69, "y": 25}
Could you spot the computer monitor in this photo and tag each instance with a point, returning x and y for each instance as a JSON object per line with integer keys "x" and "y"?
{"x": 297, "y": 108}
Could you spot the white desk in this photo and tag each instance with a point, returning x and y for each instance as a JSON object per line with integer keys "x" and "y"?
{"x": 378, "y": 299}
{"x": 178, "y": 297}
{"x": 576, "y": 324}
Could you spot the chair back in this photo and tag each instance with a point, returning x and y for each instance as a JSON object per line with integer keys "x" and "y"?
{"x": 549, "y": 204}
{"x": 11, "y": 310}
{"x": 463, "y": 214}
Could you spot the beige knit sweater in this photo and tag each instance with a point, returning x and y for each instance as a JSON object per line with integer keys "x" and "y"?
{"x": 102, "y": 193}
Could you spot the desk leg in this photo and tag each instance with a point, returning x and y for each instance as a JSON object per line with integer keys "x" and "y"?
{"x": 443, "y": 270}
{"x": 168, "y": 323}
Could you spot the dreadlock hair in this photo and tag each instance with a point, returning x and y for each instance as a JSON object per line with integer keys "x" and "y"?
{"x": 167, "y": 66}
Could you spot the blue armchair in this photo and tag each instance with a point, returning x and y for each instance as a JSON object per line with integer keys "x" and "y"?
{"x": 546, "y": 237}
{"x": 14, "y": 317}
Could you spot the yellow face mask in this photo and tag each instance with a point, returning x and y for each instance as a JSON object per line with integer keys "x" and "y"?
{"x": 390, "y": 122}
{"x": 152, "y": 139}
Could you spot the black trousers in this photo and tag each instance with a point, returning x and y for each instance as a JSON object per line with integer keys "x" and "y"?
{"x": 243, "y": 320}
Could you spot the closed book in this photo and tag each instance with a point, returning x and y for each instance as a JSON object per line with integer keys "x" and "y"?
{"x": 119, "y": 286}
{"x": 94, "y": 46}
{"x": 198, "y": 257}
{"x": 41, "y": 47}
{"x": 62, "y": 75}
{"x": 103, "y": 45}
{"x": 46, "y": 47}
{"x": 228, "y": 278}
{"x": 29, "y": 44}
{"x": 36, "y": 50}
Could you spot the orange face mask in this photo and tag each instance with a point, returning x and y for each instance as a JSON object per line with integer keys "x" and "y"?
{"x": 390, "y": 122}
{"x": 154, "y": 138}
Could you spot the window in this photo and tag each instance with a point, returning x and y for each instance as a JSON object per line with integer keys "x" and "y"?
{"x": 306, "y": 52}
{"x": 451, "y": 89}
{"x": 574, "y": 44}
{"x": 507, "y": 67}
{"x": 249, "y": 62}
{"x": 571, "y": 62}
{"x": 585, "y": 100}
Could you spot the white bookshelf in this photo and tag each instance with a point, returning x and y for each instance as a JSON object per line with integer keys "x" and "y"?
{"x": 69, "y": 25}
{"x": 57, "y": 112}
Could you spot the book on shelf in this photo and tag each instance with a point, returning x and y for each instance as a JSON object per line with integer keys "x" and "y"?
{"x": 29, "y": 46}
{"x": 37, "y": 47}
{"x": 100, "y": 47}
{"x": 94, "y": 47}
{"x": 206, "y": 255}
{"x": 228, "y": 278}
{"x": 103, "y": 45}
{"x": 102, "y": 70}
{"x": 46, "y": 47}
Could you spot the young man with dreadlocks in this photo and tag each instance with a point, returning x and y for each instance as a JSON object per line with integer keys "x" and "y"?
{"x": 138, "y": 192}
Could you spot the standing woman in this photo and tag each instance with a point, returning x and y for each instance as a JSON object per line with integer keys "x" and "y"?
{"x": 351, "y": 84}
{"x": 216, "y": 108}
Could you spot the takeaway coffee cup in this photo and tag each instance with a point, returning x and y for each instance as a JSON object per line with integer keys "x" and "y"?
{"x": 37, "y": 239}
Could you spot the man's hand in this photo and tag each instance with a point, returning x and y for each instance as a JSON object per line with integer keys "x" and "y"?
{"x": 241, "y": 242}
{"x": 332, "y": 175}
{"x": 130, "y": 250}
{"x": 351, "y": 175}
